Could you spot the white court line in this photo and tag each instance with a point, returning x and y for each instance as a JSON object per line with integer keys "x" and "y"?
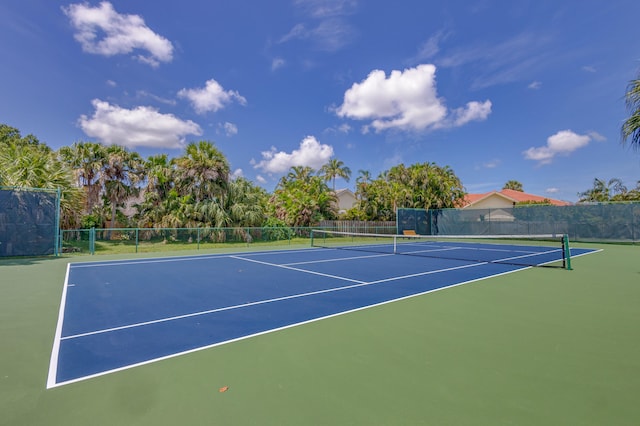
{"x": 55, "y": 351}
{"x": 51, "y": 382}
{"x": 99, "y": 263}
{"x": 358, "y": 284}
{"x": 339, "y": 259}
{"x": 276, "y": 299}
{"x": 276, "y": 265}
{"x": 139, "y": 364}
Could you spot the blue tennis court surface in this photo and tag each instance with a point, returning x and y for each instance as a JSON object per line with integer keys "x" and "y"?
{"x": 119, "y": 314}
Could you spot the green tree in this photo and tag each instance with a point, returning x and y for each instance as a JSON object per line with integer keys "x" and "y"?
{"x": 302, "y": 199}
{"x": 158, "y": 191}
{"x": 602, "y": 191}
{"x": 120, "y": 176}
{"x": 26, "y": 162}
{"x": 203, "y": 171}
{"x": 335, "y": 168}
{"x": 425, "y": 186}
{"x": 514, "y": 185}
{"x": 631, "y": 126}
{"x": 87, "y": 160}
{"x": 298, "y": 173}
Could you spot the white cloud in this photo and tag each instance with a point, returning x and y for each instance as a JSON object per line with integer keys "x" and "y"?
{"x": 297, "y": 32}
{"x": 534, "y": 85}
{"x": 342, "y": 128}
{"x": 552, "y": 190}
{"x": 326, "y": 8}
{"x": 492, "y": 164}
{"x": 589, "y": 68}
{"x": 406, "y": 100}
{"x": 229, "y": 129}
{"x": 431, "y": 47}
{"x": 310, "y": 153}
{"x": 237, "y": 173}
{"x": 138, "y": 127}
{"x": 514, "y": 59}
{"x": 144, "y": 94}
{"x": 597, "y": 136}
{"x": 261, "y": 180}
{"x": 328, "y": 30}
{"x": 212, "y": 97}
{"x": 121, "y": 34}
{"x": 329, "y": 35}
{"x": 474, "y": 111}
{"x": 277, "y": 63}
{"x": 562, "y": 143}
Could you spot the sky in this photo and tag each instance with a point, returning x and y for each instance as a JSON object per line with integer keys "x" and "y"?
{"x": 521, "y": 90}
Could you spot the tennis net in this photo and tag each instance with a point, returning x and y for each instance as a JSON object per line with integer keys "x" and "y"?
{"x": 521, "y": 250}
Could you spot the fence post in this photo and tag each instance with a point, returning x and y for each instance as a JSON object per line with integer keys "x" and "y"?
{"x": 137, "y": 239}
{"x": 92, "y": 240}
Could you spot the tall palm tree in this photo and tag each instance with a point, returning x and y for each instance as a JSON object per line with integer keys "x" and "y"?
{"x": 203, "y": 171}
{"x": 87, "y": 159}
{"x": 335, "y": 168}
{"x": 631, "y": 126}
{"x": 158, "y": 182}
{"x": 245, "y": 203}
{"x": 120, "y": 177}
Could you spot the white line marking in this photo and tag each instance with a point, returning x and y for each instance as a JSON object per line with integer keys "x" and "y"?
{"x": 53, "y": 362}
{"x": 54, "y": 357}
{"x": 338, "y": 259}
{"x": 126, "y": 367}
{"x": 99, "y": 263}
{"x": 297, "y": 269}
{"x": 276, "y": 299}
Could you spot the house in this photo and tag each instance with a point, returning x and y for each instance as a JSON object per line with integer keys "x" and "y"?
{"x": 497, "y": 205}
{"x": 346, "y": 200}
{"x": 505, "y": 198}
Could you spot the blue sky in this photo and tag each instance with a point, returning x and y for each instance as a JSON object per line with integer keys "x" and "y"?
{"x": 497, "y": 90}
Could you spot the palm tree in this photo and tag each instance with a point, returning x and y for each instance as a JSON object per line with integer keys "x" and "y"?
{"x": 87, "y": 159}
{"x": 603, "y": 191}
{"x": 335, "y": 168}
{"x": 25, "y": 162}
{"x": 301, "y": 173}
{"x": 120, "y": 177}
{"x": 203, "y": 171}
{"x": 631, "y": 126}
{"x": 245, "y": 203}
{"x": 159, "y": 176}
{"x": 514, "y": 185}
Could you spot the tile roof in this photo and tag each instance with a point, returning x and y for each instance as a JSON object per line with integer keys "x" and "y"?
{"x": 514, "y": 196}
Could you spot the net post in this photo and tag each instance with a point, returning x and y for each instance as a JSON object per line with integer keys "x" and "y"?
{"x": 395, "y": 244}
{"x": 566, "y": 252}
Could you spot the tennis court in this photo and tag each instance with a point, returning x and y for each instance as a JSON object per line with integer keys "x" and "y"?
{"x": 537, "y": 346}
{"x": 115, "y": 315}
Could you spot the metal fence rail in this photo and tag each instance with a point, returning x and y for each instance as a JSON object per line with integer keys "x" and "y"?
{"x": 134, "y": 240}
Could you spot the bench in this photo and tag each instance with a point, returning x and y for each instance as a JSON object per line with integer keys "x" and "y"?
{"x": 409, "y": 232}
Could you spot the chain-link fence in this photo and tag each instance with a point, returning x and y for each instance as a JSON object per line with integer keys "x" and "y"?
{"x": 609, "y": 222}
